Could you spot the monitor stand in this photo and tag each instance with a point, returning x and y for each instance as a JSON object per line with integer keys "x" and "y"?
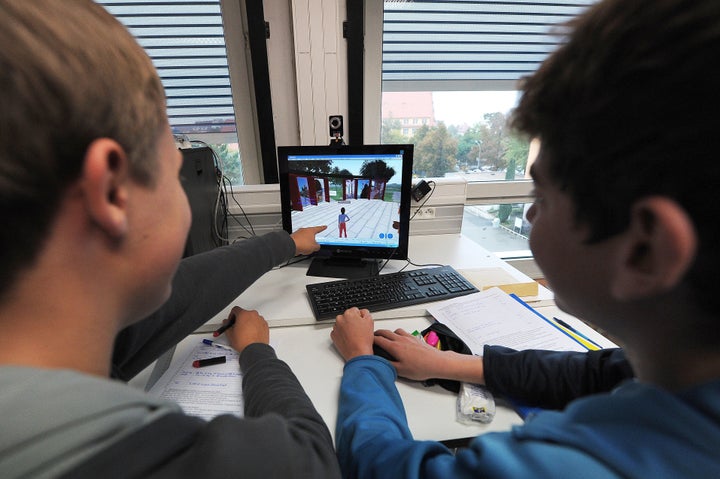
{"x": 348, "y": 268}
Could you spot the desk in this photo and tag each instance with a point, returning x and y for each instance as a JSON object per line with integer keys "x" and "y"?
{"x": 281, "y": 298}
{"x": 306, "y": 346}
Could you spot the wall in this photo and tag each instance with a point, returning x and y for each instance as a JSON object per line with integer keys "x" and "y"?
{"x": 306, "y": 45}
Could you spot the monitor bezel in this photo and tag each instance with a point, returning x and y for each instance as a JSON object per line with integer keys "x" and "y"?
{"x": 354, "y": 252}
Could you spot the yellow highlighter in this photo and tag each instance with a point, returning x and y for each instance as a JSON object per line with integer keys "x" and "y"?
{"x": 577, "y": 335}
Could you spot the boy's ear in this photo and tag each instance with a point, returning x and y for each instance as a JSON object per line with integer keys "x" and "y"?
{"x": 104, "y": 184}
{"x": 656, "y": 251}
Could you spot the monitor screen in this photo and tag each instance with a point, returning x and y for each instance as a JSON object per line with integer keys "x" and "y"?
{"x": 362, "y": 193}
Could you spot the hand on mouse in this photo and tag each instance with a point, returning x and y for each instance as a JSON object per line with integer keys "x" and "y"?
{"x": 415, "y": 359}
{"x": 352, "y": 334}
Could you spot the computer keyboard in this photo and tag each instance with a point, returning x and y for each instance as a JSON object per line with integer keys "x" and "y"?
{"x": 387, "y": 291}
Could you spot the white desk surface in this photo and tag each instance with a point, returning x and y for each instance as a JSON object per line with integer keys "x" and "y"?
{"x": 306, "y": 346}
{"x": 281, "y": 298}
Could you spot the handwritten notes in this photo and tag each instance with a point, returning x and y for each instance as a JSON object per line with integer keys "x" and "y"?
{"x": 205, "y": 392}
{"x": 495, "y": 318}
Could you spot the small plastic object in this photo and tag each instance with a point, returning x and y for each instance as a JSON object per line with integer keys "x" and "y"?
{"x": 432, "y": 338}
{"x": 475, "y": 403}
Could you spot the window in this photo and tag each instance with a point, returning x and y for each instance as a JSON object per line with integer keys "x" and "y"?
{"x": 187, "y": 44}
{"x": 460, "y": 61}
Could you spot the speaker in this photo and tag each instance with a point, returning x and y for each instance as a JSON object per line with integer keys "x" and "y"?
{"x": 200, "y": 181}
{"x": 336, "y": 126}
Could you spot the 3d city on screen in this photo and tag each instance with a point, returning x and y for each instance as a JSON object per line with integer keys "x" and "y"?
{"x": 357, "y": 196}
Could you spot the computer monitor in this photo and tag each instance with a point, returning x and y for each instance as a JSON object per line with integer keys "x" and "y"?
{"x": 362, "y": 193}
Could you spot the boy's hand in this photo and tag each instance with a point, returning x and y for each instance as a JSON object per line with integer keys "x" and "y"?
{"x": 353, "y": 333}
{"x": 417, "y": 360}
{"x": 304, "y": 239}
{"x": 414, "y": 358}
{"x": 249, "y": 328}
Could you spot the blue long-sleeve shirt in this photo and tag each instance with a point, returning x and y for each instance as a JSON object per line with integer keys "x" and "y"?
{"x": 636, "y": 431}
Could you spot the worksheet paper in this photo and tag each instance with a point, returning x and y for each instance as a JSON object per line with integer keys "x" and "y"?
{"x": 205, "y": 392}
{"x": 494, "y": 317}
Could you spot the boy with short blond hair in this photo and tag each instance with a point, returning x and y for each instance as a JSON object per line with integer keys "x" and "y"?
{"x": 94, "y": 225}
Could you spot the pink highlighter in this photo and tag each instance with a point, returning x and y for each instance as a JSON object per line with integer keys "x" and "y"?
{"x": 432, "y": 339}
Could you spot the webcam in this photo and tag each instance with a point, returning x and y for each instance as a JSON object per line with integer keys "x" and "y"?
{"x": 336, "y": 128}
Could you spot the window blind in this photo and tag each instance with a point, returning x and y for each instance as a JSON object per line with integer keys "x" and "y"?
{"x": 185, "y": 40}
{"x": 441, "y": 42}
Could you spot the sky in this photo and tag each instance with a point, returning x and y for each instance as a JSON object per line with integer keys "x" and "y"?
{"x": 458, "y": 107}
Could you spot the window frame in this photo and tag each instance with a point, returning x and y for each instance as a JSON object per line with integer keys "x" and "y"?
{"x": 235, "y": 26}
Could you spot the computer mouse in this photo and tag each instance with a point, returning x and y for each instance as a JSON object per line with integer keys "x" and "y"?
{"x": 379, "y": 351}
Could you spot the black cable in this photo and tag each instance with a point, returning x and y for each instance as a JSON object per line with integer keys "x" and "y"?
{"x": 251, "y": 231}
{"x": 426, "y": 265}
{"x": 237, "y": 238}
{"x": 413, "y": 216}
{"x": 298, "y": 259}
{"x": 387, "y": 261}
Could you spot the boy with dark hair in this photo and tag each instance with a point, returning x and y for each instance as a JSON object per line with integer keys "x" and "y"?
{"x": 95, "y": 220}
{"x": 623, "y": 229}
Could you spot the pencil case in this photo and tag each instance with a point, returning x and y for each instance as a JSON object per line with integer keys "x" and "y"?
{"x": 448, "y": 341}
